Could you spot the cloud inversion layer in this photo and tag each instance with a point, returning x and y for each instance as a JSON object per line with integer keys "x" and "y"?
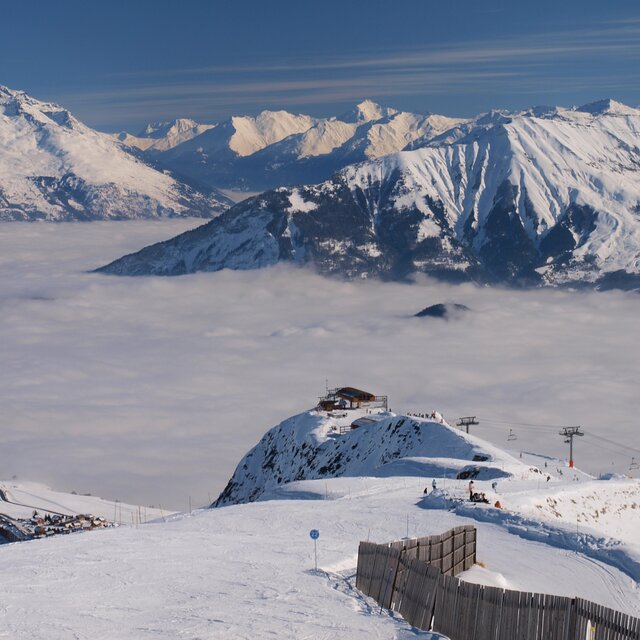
{"x": 151, "y": 389}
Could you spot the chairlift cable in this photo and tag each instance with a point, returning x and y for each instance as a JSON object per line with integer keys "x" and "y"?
{"x": 624, "y": 446}
{"x": 532, "y": 426}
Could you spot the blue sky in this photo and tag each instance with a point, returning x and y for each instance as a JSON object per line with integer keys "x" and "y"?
{"x": 118, "y": 65}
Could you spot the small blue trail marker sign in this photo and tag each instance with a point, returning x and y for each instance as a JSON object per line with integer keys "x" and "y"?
{"x": 314, "y": 534}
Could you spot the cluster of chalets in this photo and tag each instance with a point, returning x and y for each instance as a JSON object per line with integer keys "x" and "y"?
{"x": 44, "y": 525}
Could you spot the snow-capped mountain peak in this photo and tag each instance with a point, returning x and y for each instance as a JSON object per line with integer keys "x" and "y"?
{"x": 16, "y": 103}
{"x": 278, "y": 148}
{"x": 608, "y": 107}
{"x": 162, "y": 129}
{"x": 367, "y": 111}
{"x": 53, "y": 167}
{"x": 252, "y": 134}
{"x": 157, "y": 137}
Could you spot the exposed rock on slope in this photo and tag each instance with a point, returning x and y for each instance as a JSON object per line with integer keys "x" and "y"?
{"x": 346, "y": 234}
{"x": 309, "y": 446}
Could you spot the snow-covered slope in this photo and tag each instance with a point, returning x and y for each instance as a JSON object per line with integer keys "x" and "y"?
{"x": 534, "y": 497}
{"x": 53, "y": 167}
{"x": 317, "y": 444}
{"x": 279, "y": 148}
{"x": 546, "y": 196}
{"x": 247, "y": 570}
{"x": 19, "y": 499}
{"x": 541, "y": 493}
{"x": 610, "y": 507}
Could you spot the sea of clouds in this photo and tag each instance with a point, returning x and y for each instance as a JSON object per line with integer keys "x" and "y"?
{"x": 150, "y": 390}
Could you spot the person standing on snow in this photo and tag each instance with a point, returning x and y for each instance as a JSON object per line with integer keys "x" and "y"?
{"x": 433, "y": 484}
{"x": 471, "y": 488}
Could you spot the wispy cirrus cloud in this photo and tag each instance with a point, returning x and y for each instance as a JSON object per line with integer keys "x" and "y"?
{"x": 618, "y": 37}
{"x": 555, "y": 62}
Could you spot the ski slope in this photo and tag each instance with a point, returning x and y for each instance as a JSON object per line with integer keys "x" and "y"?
{"x": 247, "y": 570}
{"x": 20, "y": 499}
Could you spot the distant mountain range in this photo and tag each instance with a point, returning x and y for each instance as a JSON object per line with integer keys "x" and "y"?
{"x": 53, "y": 167}
{"x": 541, "y": 196}
{"x": 277, "y": 148}
{"x": 546, "y": 195}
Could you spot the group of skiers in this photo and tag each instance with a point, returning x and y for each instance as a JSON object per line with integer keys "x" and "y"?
{"x": 474, "y": 496}
{"x": 434, "y": 415}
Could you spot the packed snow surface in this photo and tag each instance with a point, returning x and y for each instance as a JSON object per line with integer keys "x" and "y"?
{"x": 247, "y": 571}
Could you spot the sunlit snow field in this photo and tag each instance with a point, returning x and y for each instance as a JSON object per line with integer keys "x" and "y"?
{"x": 150, "y": 390}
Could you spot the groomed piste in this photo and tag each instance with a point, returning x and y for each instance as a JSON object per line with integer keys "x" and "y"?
{"x": 246, "y": 570}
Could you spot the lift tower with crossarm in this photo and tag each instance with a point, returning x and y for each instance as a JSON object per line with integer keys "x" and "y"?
{"x": 569, "y": 434}
{"x": 467, "y": 422}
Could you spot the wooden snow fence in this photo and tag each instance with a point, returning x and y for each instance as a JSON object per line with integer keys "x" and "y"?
{"x": 603, "y": 623}
{"x": 417, "y": 578}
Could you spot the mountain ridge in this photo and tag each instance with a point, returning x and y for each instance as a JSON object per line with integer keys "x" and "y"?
{"x": 56, "y": 168}
{"x": 536, "y": 198}
{"x": 278, "y": 148}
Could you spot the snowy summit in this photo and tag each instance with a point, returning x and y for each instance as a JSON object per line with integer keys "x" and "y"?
{"x": 53, "y": 167}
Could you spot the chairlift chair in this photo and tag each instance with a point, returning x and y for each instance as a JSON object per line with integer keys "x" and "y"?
{"x": 512, "y": 436}
{"x": 634, "y": 465}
